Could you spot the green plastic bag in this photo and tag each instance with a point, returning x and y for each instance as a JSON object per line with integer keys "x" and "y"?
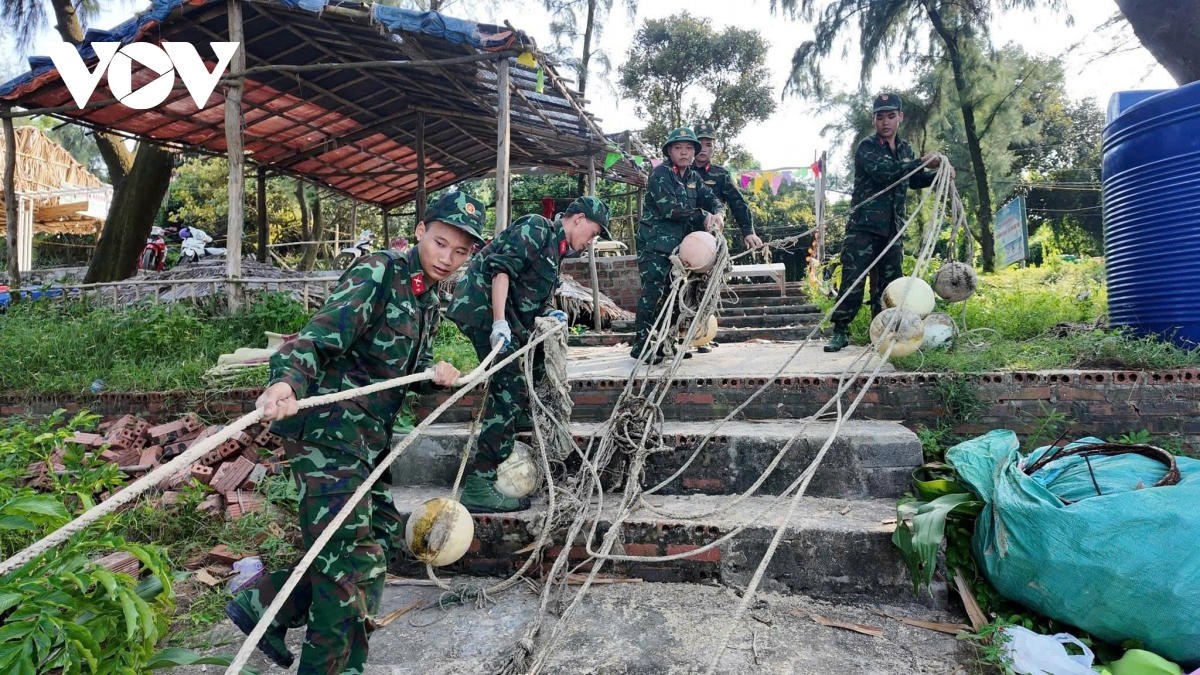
{"x": 1121, "y": 565}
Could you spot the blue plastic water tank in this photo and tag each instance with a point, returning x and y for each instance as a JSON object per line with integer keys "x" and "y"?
{"x": 1152, "y": 214}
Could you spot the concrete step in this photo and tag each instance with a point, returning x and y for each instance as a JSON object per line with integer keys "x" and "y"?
{"x": 868, "y": 459}
{"x": 762, "y": 301}
{"x": 833, "y": 548}
{"x": 789, "y": 308}
{"x": 773, "y": 334}
{"x": 770, "y": 320}
{"x": 641, "y": 629}
{"x": 771, "y": 290}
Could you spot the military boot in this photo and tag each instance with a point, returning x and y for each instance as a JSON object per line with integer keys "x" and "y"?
{"x": 272, "y": 644}
{"x": 480, "y": 495}
{"x": 841, "y": 338}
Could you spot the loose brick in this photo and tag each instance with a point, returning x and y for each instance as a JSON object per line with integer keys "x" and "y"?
{"x": 212, "y": 505}
{"x": 202, "y": 473}
{"x": 231, "y": 474}
{"x": 169, "y": 432}
{"x": 86, "y": 440}
{"x": 121, "y": 562}
{"x": 257, "y": 474}
{"x": 222, "y": 554}
{"x": 240, "y": 502}
{"x": 151, "y": 456}
{"x": 711, "y": 555}
{"x": 268, "y": 439}
{"x": 243, "y": 439}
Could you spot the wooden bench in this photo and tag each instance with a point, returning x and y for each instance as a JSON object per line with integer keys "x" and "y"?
{"x": 777, "y": 271}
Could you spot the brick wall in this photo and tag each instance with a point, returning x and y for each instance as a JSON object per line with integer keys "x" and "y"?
{"x": 618, "y": 277}
{"x": 1099, "y": 403}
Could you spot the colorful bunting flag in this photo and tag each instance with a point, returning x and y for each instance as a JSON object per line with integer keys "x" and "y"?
{"x": 639, "y": 160}
{"x": 540, "y": 87}
{"x": 655, "y": 162}
{"x": 775, "y": 179}
{"x": 612, "y": 158}
{"x": 816, "y": 168}
{"x": 744, "y": 180}
{"x": 787, "y": 177}
{"x": 759, "y": 181}
{"x": 526, "y": 59}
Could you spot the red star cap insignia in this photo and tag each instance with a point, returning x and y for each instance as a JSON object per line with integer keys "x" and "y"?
{"x": 418, "y": 283}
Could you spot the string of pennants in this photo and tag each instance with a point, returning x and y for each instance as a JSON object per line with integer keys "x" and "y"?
{"x": 746, "y": 180}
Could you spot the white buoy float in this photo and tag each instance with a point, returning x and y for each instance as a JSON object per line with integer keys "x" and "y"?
{"x": 698, "y": 252}
{"x": 939, "y": 330}
{"x": 439, "y": 532}
{"x": 906, "y": 335}
{"x": 912, "y": 294}
{"x": 708, "y": 333}
{"x": 955, "y": 282}
{"x": 518, "y": 476}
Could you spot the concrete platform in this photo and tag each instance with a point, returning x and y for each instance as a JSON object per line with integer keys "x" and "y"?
{"x": 834, "y": 548}
{"x": 741, "y": 360}
{"x": 725, "y": 335}
{"x": 868, "y": 459}
{"x": 646, "y": 629}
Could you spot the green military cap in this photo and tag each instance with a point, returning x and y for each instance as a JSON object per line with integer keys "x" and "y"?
{"x": 706, "y": 130}
{"x": 459, "y": 210}
{"x": 594, "y": 210}
{"x": 885, "y": 102}
{"x": 681, "y": 134}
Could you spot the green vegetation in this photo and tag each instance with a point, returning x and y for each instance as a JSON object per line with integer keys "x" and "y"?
{"x": 1037, "y": 318}
{"x": 65, "y": 347}
{"x": 61, "y": 611}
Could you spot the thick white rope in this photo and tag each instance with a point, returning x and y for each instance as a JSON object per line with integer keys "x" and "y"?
{"x": 475, "y": 377}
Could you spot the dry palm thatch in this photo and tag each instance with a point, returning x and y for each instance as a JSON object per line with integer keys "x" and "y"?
{"x": 576, "y": 300}
{"x": 45, "y": 165}
{"x": 214, "y": 268}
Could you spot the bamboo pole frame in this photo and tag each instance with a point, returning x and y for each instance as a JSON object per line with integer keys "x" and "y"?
{"x": 503, "y": 145}
{"x": 236, "y": 155}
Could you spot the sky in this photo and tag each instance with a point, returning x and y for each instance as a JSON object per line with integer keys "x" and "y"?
{"x": 792, "y": 136}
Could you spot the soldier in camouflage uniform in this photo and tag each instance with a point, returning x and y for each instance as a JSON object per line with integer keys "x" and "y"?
{"x": 677, "y": 203}
{"x": 378, "y": 324}
{"x": 879, "y": 161}
{"x": 722, "y": 184}
{"x": 507, "y": 286}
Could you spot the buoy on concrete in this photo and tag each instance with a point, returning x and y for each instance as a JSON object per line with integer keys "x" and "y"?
{"x": 912, "y": 294}
{"x": 518, "y": 476}
{"x": 439, "y": 532}
{"x": 906, "y": 334}
{"x": 698, "y": 252}
{"x": 939, "y": 330}
{"x": 708, "y": 333}
{"x": 955, "y": 282}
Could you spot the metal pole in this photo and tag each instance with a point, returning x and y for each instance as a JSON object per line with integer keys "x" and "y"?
{"x": 10, "y": 201}
{"x": 820, "y": 214}
{"x": 421, "y": 194}
{"x": 502, "y": 146}
{"x": 387, "y": 238}
{"x": 235, "y": 151}
{"x": 263, "y": 235}
{"x": 596, "y": 323}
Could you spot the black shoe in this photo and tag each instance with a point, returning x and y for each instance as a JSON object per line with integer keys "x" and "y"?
{"x": 687, "y": 355}
{"x": 841, "y": 338}
{"x": 271, "y": 644}
{"x": 704, "y": 350}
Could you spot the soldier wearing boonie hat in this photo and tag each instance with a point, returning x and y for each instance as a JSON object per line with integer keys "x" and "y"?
{"x": 378, "y": 324}
{"x": 506, "y": 288}
{"x": 881, "y": 160}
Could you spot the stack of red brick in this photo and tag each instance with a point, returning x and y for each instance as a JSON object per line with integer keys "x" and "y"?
{"x": 232, "y": 470}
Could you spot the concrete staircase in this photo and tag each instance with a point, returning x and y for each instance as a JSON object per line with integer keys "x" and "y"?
{"x": 838, "y": 545}
{"x": 748, "y": 312}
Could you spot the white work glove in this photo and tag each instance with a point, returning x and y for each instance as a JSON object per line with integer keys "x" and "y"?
{"x": 558, "y": 314}
{"x": 502, "y": 334}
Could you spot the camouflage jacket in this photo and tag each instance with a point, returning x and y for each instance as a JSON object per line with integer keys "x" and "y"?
{"x": 676, "y": 204}
{"x": 529, "y": 251}
{"x": 378, "y": 324}
{"x": 720, "y": 182}
{"x": 875, "y": 168}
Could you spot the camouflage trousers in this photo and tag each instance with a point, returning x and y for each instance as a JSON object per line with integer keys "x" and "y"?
{"x": 506, "y": 410}
{"x": 344, "y": 586}
{"x": 655, "y": 270}
{"x": 858, "y": 251}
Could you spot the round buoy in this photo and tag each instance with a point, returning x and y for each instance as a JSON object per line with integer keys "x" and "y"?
{"x": 439, "y": 531}
{"x": 955, "y": 282}
{"x": 910, "y": 293}
{"x": 518, "y": 476}
{"x": 698, "y": 252}
{"x": 708, "y": 333}
{"x": 906, "y": 335}
{"x": 939, "y": 329}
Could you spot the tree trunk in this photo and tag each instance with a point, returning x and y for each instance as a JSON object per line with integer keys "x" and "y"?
{"x": 10, "y": 201}
{"x": 1167, "y": 29}
{"x": 984, "y": 211}
{"x": 588, "y": 31}
{"x": 135, "y": 202}
{"x": 309, "y": 260}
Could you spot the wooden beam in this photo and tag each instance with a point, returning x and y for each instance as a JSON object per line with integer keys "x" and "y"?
{"x": 235, "y": 152}
{"x": 592, "y": 251}
{"x": 263, "y": 235}
{"x": 421, "y": 193}
{"x": 502, "y": 148}
{"x": 10, "y": 201}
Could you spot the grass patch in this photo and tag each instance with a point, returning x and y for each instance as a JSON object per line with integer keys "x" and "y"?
{"x": 63, "y": 348}
{"x": 1037, "y": 318}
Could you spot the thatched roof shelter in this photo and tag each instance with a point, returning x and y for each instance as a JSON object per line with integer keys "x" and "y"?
{"x": 66, "y": 198}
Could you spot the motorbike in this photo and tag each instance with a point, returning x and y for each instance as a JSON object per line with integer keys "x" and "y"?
{"x": 361, "y": 248}
{"x": 154, "y": 255}
{"x": 194, "y": 247}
